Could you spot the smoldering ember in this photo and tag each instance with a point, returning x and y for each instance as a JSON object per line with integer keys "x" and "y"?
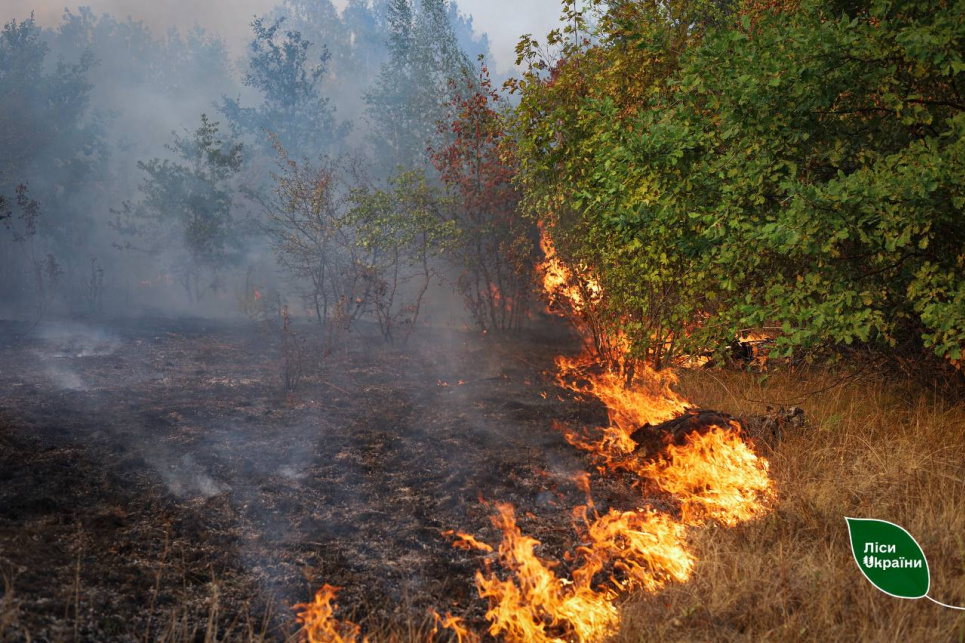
{"x": 408, "y": 320}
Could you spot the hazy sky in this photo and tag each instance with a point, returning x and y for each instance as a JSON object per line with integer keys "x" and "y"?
{"x": 503, "y": 20}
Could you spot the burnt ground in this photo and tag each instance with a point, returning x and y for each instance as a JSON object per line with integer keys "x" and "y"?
{"x": 154, "y": 472}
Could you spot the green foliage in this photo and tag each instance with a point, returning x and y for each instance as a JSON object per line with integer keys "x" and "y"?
{"x": 409, "y": 98}
{"x": 800, "y": 167}
{"x": 294, "y": 109}
{"x": 408, "y": 214}
{"x": 185, "y": 213}
{"x": 404, "y": 230}
{"x": 572, "y": 128}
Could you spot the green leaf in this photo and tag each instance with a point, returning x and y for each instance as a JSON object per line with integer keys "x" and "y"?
{"x": 889, "y": 557}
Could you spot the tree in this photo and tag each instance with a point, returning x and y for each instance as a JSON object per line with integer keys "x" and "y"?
{"x": 366, "y": 27}
{"x": 495, "y": 249}
{"x": 44, "y": 271}
{"x": 838, "y": 212}
{"x": 294, "y": 109}
{"x": 405, "y": 230}
{"x": 409, "y": 99}
{"x": 48, "y": 139}
{"x": 306, "y": 222}
{"x": 185, "y": 214}
{"x": 44, "y": 138}
{"x": 579, "y": 96}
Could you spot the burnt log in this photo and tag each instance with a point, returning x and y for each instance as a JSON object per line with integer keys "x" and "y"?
{"x": 653, "y": 438}
{"x": 768, "y": 428}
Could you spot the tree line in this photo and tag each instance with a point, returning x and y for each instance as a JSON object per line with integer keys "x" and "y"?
{"x": 795, "y": 164}
{"x": 709, "y": 167}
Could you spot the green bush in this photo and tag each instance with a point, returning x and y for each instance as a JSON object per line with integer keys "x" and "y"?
{"x": 797, "y": 166}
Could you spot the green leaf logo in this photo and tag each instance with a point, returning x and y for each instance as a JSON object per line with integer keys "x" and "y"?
{"x": 889, "y": 557}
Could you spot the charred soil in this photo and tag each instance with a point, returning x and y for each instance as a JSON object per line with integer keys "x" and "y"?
{"x": 154, "y": 476}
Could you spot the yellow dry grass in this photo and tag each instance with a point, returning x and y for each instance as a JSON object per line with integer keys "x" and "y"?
{"x": 879, "y": 447}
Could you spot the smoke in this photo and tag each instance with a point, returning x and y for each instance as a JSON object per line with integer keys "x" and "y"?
{"x": 99, "y": 102}
{"x": 504, "y": 21}
{"x": 64, "y": 347}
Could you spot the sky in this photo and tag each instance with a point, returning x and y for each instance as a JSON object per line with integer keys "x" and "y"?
{"x": 503, "y": 20}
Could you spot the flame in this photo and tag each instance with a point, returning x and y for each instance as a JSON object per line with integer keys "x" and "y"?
{"x": 646, "y": 547}
{"x": 715, "y": 475}
{"x": 467, "y": 541}
{"x": 648, "y": 400}
{"x": 318, "y": 621}
{"x": 533, "y": 604}
{"x": 454, "y": 623}
{"x": 559, "y": 282}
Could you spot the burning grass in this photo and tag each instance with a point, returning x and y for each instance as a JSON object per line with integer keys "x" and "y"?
{"x": 713, "y": 475}
{"x": 716, "y": 476}
{"x": 374, "y": 486}
{"x": 877, "y": 448}
{"x": 319, "y": 622}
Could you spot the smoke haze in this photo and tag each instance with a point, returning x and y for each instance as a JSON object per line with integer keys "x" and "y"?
{"x": 504, "y": 21}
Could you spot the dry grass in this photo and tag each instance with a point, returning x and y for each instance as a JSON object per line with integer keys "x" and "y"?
{"x": 9, "y": 605}
{"x": 875, "y": 448}
{"x": 204, "y": 621}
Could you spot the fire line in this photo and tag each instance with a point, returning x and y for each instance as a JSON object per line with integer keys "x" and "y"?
{"x": 714, "y": 476}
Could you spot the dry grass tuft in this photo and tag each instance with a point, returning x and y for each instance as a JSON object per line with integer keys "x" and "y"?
{"x": 9, "y": 605}
{"x": 874, "y": 448}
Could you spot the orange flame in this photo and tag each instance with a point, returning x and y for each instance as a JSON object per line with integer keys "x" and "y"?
{"x": 647, "y": 548}
{"x": 319, "y": 622}
{"x": 559, "y": 283}
{"x": 715, "y": 475}
{"x": 648, "y": 400}
{"x": 534, "y": 604}
{"x": 467, "y": 541}
{"x": 454, "y": 623}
